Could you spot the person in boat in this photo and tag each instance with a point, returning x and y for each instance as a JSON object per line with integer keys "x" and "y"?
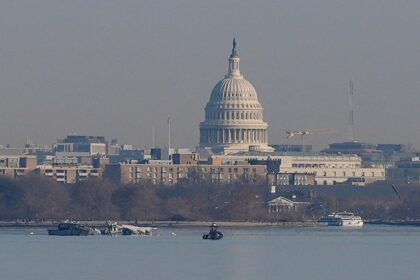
{"x": 213, "y": 234}
{"x": 213, "y": 231}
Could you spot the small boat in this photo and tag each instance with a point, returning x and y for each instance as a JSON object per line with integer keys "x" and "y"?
{"x": 214, "y": 233}
{"x": 70, "y": 228}
{"x": 112, "y": 229}
{"x": 345, "y": 219}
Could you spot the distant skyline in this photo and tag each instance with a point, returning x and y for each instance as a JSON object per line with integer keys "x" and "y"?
{"x": 119, "y": 69}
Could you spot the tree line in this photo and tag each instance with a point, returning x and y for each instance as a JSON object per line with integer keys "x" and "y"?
{"x": 39, "y": 198}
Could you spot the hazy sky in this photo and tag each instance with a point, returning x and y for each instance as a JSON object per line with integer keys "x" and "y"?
{"x": 118, "y": 68}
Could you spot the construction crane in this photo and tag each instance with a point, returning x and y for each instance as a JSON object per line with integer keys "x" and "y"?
{"x": 304, "y": 132}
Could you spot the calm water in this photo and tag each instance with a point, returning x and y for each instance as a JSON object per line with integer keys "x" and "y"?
{"x": 374, "y": 252}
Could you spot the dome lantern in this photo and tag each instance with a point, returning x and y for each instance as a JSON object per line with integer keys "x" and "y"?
{"x": 234, "y": 62}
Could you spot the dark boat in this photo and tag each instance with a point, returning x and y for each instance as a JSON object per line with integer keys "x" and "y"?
{"x": 70, "y": 228}
{"x": 214, "y": 233}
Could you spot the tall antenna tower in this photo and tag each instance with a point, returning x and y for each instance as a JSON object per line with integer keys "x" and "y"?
{"x": 153, "y": 137}
{"x": 351, "y": 113}
{"x": 169, "y": 136}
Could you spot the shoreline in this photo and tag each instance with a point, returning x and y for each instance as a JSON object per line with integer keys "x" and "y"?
{"x": 101, "y": 224}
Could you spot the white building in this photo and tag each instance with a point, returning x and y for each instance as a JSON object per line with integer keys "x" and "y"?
{"x": 328, "y": 169}
{"x": 333, "y": 169}
{"x": 234, "y": 116}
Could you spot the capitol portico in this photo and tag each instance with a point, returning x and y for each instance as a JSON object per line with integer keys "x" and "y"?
{"x": 234, "y": 116}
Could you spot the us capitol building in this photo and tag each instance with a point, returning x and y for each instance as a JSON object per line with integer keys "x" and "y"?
{"x": 234, "y": 116}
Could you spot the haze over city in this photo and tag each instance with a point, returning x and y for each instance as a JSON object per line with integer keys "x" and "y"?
{"x": 120, "y": 68}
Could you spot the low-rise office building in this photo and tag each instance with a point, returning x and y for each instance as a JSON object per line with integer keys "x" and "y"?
{"x": 69, "y": 174}
{"x": 291, "y": 179}
{"x": 327, "y": 169}
{"x": 17, "y": 165}
{"x": 173, "y": 173}
{"x": 333, "y": 169}
{"x": 405, "y": 171}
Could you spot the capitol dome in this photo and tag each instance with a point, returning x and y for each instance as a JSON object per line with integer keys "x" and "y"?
{"x": 234, "y": 116}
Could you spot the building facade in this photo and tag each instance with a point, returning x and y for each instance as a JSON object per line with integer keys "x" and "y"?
{"x": 69, "y": 174}
{"x": 327, "y": 169}
{"x": 173, "y": 173}
{"x": 405, "y": 171}
{"x": 16, "y": 166}
{"x": 234, "y": 116}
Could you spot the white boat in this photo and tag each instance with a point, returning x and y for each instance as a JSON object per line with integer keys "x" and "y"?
{"x": 345, "y": 219}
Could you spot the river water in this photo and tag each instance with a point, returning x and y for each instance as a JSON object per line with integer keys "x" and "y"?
{"x": 373, "y": 252}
